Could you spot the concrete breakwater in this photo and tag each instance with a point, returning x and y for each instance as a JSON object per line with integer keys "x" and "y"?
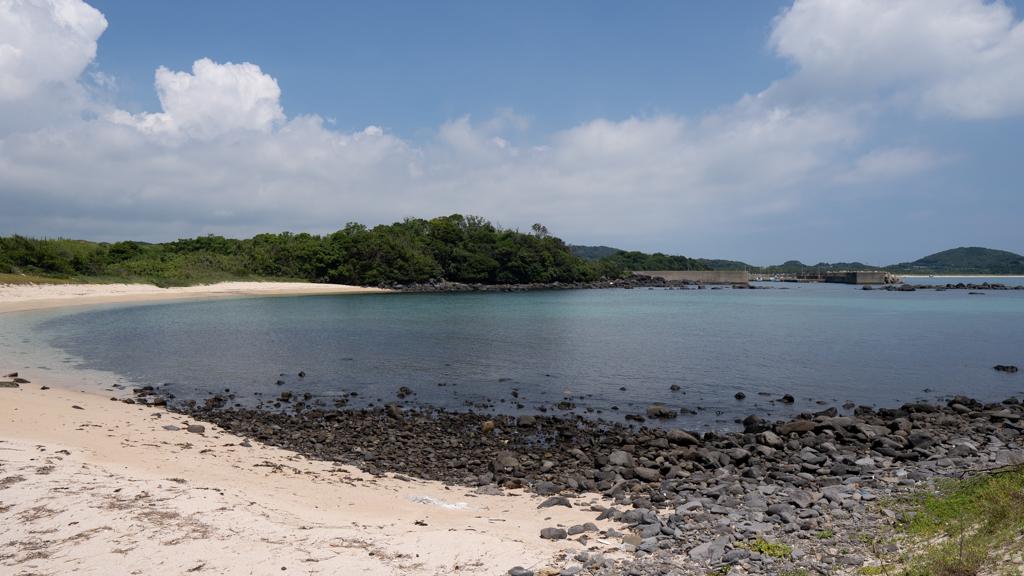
{"x": 861, "y": 277}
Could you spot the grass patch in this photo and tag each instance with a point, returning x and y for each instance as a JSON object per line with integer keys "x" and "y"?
{"x": 966, "y": 526}
{"x": 31, "y": 279}
{"x": 825, "y": 535}
{"x": 766, "y": 548}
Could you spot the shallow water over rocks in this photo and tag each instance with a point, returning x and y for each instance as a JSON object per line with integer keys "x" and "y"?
{"x": 709, "y": 357}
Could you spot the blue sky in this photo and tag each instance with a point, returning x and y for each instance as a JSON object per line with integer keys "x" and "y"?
{"x": 875, "y": 130}
{"x": 410, "y": 66}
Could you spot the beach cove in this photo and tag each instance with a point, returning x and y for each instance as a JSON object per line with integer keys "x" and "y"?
{"x": 88, "y": 483}
{"x": 636, "y": 495}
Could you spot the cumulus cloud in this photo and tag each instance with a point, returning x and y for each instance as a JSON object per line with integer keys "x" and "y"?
{"x": 45, "y": 42}
{"x": 961, "y": 58}
{"x": 212, "y": 100}
{"x": 45, "y": 45}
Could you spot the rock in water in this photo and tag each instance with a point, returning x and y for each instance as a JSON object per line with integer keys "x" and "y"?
{"x": 1008, "y": 368}
{"x": 527, "y": 420}
{"x": 798, "y": 426}
{"x": 661, "y": 412}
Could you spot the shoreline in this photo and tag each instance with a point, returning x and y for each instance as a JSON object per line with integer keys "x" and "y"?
{"x": 962, "y": 276}
{"x": 86, "y": 483}
{"x": 351, "y": 483}
{"x": 316, "y": 490}
{"x": 785, "y": 482}
{"x": 30, "y": 297}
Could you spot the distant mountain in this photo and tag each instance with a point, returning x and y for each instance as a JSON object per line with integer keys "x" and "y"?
{"x": 593, "y": 253}
{"x": 972, "y": 260}
{"x": 966, "y": 260}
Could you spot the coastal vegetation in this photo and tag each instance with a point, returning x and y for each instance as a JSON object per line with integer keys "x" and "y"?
{"x": 966, "y": 526}
{"x": 455, "y": 248}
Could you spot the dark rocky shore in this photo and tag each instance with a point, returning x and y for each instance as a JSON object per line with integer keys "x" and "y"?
{"x": 942, "y": 287}
{"x": 807, "y": 494}
{"x": 655, "y": 282}
{"x": 626, "y": 283}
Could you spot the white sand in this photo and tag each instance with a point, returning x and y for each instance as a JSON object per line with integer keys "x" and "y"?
{"x": 129, "y": 497}
{"x": 20, "y": 297}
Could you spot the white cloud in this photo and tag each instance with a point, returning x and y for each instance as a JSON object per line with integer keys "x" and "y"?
{"x": 212, "y": 100}
{"x": 888, "y": 163}
{"x": 962, "y": 58}
{"x": 221, "y": 155}
{"x": 45, "y": 42}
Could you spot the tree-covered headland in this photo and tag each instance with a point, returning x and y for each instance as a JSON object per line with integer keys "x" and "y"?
{"x": 455, "y": 248}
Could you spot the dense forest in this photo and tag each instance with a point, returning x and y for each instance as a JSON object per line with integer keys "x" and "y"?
{"x": 593, "y": 253}
{"x": 455, "y": 248}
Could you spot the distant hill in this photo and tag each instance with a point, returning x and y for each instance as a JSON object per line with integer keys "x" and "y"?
{"x": 593, "y": 253}
{"x": 641, "y": 261}
{"x": 966, "y": 260}
{"x": 614, "y": 260}
{"x": 715, "y": 264}
{"x": 972, "y": 260}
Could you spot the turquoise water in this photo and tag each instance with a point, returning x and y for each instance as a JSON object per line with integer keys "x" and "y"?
{"x": 824, "y": 344}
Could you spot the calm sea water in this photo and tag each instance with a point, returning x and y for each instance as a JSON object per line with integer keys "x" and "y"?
{"x": 824, "y": 344}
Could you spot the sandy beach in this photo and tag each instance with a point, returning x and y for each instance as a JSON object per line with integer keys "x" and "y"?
{"x": 23, "y": 297}
{"x": 87, "y": 484}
